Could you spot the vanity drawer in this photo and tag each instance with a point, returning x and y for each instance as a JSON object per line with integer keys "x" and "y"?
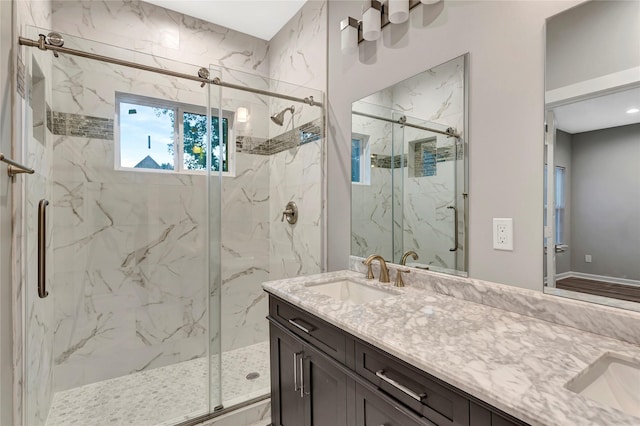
{"x": 414, "y": 388}
{"x": 323, "y": 335}
{"x": 373, "y": 410}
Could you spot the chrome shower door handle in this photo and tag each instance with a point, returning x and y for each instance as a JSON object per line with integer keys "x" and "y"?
{"x": 42, "y": 248}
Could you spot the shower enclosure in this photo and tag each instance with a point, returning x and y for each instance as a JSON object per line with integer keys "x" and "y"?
{"x": 155, "y": 212}
{"x": 407, "y": 175}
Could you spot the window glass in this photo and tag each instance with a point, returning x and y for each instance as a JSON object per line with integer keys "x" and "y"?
{"x": 146, "y": 136}
{"x": 194, "y": 144}
{"x": 356, "y": 152}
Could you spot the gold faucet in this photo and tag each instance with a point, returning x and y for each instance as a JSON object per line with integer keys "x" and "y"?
{"x": 384, "y": 271}
{"x": 399, "y": 272}
{"x": 406, "y": 255}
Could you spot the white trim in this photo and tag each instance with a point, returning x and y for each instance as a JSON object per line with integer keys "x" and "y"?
{"x": 591, "y": 88}
{"x": 603, "y": 278}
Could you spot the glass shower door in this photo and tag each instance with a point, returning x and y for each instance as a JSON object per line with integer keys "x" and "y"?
{"x": 124, "y": 334}
{"x": 432, "y": 210}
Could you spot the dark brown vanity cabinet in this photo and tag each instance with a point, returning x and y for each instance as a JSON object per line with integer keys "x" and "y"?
{"x": 322, "y": 376}
{"x": 306, "y": 389}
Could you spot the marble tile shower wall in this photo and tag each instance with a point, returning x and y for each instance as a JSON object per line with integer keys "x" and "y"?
{"x": 129, "y": 248}
{"x": 125, "y": 260}
{"x": 427, "y": 224}
{"x": 36, "y": 314}
{"x": 298, "y": 56}
{"x": 372, "y": 215}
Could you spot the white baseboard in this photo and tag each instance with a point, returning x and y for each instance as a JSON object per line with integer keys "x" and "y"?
{"x": 612, "y": 280}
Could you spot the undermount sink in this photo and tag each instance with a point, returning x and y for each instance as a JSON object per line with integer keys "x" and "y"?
{"x": 351, "y": 291}
{"x": 611, "y": 380}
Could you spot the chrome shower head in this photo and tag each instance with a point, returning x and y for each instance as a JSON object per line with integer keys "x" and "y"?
{"x": 279, "y": 117}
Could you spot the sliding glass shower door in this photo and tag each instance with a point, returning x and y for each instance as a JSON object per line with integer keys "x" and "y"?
{"x": 131, "y": 322}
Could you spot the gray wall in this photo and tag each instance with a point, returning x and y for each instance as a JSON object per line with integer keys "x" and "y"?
{"x": 506, "y": 92}
{"x": 562, "y": 158}
{"x": 6, "y": 330}
{"x": 604, "y": 39}
{"x": 606, "y": 202}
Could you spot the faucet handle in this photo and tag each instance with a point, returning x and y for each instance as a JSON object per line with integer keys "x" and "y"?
{"x": 399, "y": 272}
{"x": 369, "y": 270}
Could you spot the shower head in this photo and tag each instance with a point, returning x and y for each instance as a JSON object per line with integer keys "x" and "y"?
{"x": 279, "y": 117}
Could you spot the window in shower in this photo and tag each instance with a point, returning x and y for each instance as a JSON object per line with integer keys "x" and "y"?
{"x": 159, "y": 135}
{"x": 360, "y": 159}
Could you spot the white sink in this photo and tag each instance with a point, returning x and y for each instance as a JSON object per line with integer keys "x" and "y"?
{"x": 351, "y": 291}
{"x": 612, "y": 380}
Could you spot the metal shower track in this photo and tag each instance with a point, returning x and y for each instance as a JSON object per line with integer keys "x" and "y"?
{"x": 402, "y": 121}
{"x": 42, "y": 44}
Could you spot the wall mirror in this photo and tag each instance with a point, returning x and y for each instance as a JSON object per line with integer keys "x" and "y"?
{"x": 409, "y": 171}
{"x": 592, "y": 154}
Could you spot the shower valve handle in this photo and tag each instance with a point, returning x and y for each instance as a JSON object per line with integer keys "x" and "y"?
{"x": 290, "y": 213}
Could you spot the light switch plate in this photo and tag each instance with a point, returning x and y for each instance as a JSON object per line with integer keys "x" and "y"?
{"x": 503, "y": 234}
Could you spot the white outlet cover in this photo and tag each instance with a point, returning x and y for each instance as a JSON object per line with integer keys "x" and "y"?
{"x": 503, "y": 234}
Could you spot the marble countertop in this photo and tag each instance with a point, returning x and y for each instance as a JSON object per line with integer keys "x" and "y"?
{"x": 516, "y": 363}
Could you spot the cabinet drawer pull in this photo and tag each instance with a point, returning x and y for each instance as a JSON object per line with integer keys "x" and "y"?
{"x": 302, "y": 392}
{"x": 412, "y": 394}
{"x": 293, "y": 322}
{"x": 295, "y": 371}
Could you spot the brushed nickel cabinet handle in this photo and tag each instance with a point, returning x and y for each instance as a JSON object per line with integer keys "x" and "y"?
{"x": 42, "y": 248}
{"x": 295, "y": 371}
{"x": 412, "y": 394}
{"x": 293, "y": 322}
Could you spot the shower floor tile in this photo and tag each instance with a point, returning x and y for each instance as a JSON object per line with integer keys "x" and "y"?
{"x": 166, "y": 395}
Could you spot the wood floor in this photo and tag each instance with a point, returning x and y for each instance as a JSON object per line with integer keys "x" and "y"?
{"x": 600, "y": 288}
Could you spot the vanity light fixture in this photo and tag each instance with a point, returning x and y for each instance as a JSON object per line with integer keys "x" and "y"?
{"x": 398, "y": 11}
{"x": 242, "y": 114}
{"x": 349, "y": 35}
{"x": 376, "y": 15}
{"x": 372, "y": 20}
{"x": 633, "y": 111}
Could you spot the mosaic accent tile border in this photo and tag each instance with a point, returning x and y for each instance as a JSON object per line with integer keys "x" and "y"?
{"x": 306, "y": 133}
{"x": 85, "y": 126}
{"x": 447, "y": 153}
{"x": 20, "y": 77}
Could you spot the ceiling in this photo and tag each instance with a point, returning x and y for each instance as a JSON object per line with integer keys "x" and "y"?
{"x": 259, "y": 18}
{"x": 601, "y": 112}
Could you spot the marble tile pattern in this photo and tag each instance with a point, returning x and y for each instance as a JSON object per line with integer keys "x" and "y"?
{"x": 607, "y": 321}
{"x": 161, "y": 32}
{"x": 434, "y": 99}
{"x": 38, "y": 313}
{"x": 514, "y": 362}
{"x": 372, "y": 219}
{"x": 297, "y": 55}
{"x": 129, "y": 267}
{"x": 166, "y": 395}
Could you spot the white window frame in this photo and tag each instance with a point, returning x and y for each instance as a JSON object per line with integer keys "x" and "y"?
{"x": 365, "y": 158}
{"x": 178, "y": 152}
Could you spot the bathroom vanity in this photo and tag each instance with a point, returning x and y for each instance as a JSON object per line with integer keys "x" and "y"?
{"x": 350, "y": 351}
{"x": 322, "y": 375}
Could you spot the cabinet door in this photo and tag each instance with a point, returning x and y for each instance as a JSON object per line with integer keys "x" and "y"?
{"x": 325, "y": 388}
{"x": 287, "y": 401}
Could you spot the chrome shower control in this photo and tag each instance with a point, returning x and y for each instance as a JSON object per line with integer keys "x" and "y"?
{"x": 290, "y": 213}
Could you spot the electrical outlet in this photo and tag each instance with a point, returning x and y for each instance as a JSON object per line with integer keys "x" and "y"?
{"x": 503, "y": 234}
{"x": 587, "y": 258}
